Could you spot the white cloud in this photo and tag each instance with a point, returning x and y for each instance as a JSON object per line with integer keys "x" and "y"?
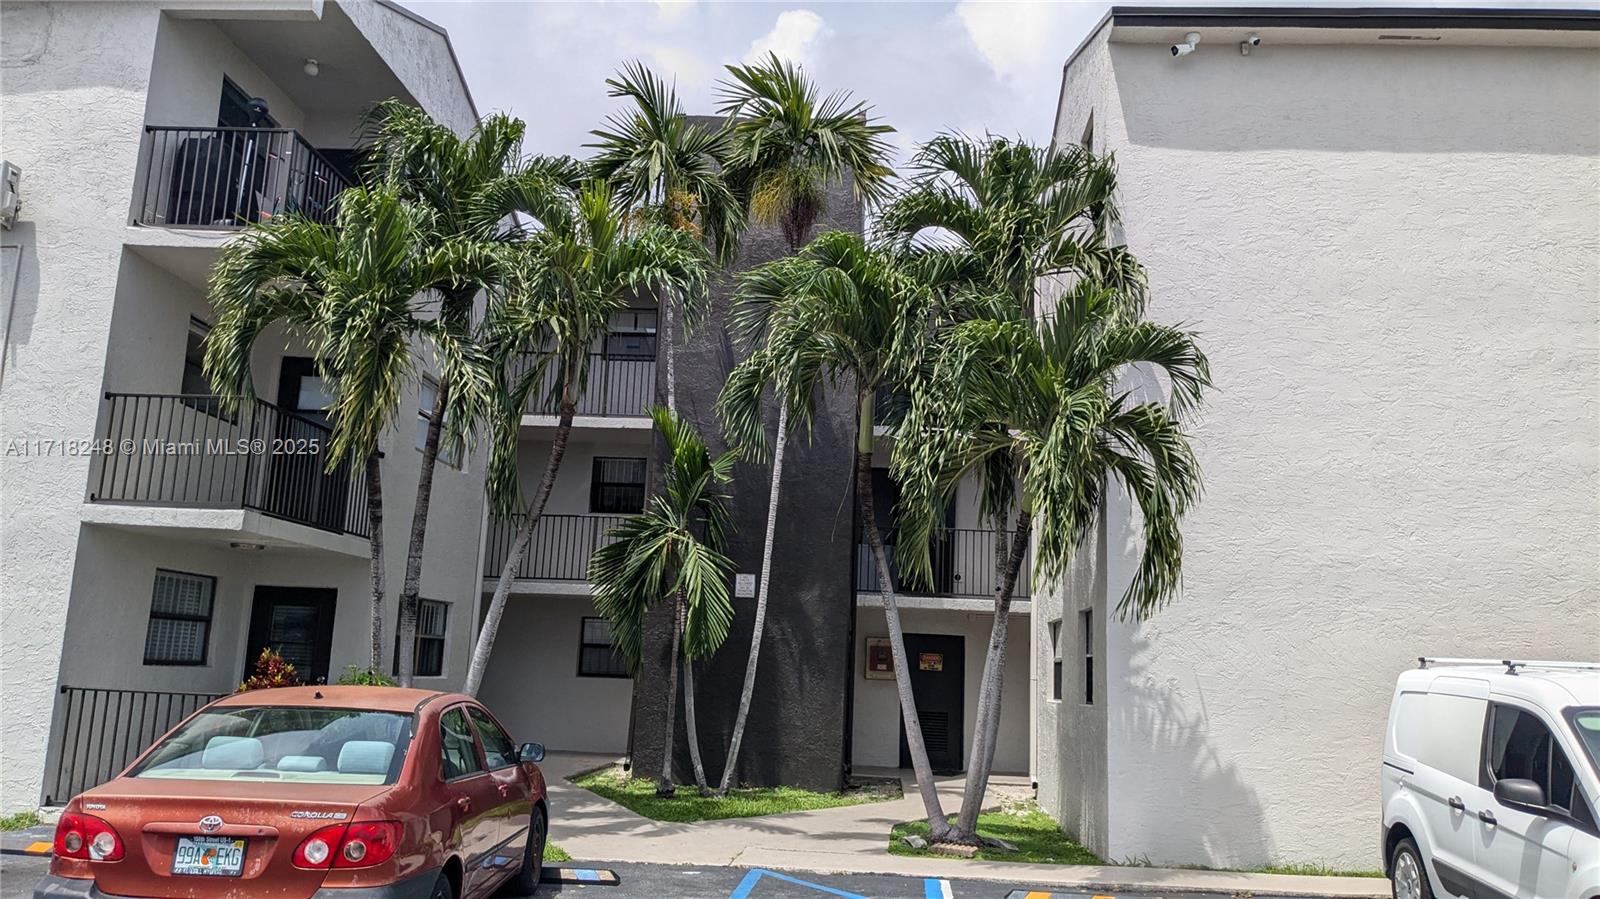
{"x": 1018, "y": 38}
{"x": 793, "y": 37}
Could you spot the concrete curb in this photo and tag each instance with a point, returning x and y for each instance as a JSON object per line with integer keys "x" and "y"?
{"x": 28, "y": 841}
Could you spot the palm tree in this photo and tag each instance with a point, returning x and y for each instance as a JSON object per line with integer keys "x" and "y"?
{"x": 1014, "y": 219}
{"x": 579, "y": 268}
{"x": 358, "y": 288}
{"x": 480, "y": 188}
{"x": 1040, "y": 413}
{"x": 839, "y": 312}
{"x": 674, "y": 548}
{"x": 787, "y": 146}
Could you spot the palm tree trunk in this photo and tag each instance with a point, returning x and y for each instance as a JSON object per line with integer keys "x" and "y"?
{"x": 938, "y": 825}
{"x": 412, "y": 586}
{"x": 375, "y": 544}
{"x": 519, "y": 548}
{"x": 691, "y": 730}
{"x": 749, "y": 689}
{"x": 672, "y": 355}
{"x": 664, "y": 785}
{"x": 986, "y": 730}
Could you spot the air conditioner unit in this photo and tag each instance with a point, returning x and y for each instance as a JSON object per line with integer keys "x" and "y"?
{"x": 10, "y": 194}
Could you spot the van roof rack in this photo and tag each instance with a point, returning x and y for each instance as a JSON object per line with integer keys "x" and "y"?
{"x": 1511, "y": 665}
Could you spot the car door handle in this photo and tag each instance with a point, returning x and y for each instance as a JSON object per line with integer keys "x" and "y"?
{"x": 1487, "y": 817}
{"x": 464, "y": 803}
{"x": 505, "y": 790}
{"x": 1457, "y": 804}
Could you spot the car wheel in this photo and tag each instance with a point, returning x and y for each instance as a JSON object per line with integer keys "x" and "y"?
{"x": 442, "y": 888}
{"x": 1409, "y": 878}
{"x": 527, "y": 879}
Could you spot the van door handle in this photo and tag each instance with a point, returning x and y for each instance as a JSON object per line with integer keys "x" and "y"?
{"x": 1487, "y": 817}
{"x": 1457, "y": 804}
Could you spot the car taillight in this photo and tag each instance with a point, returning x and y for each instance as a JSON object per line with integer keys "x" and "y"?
{"x": 87, "y": 837}
{"x": 358, "y": 845}
{"x": 368, "y": 843}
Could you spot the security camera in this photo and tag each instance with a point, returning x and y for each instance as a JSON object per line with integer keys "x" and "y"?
{"x": 1253, "y": 40}
{"x": 1188, "y": 45}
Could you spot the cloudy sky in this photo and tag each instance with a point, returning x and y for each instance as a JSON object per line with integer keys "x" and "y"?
{"x": 925, "y": 67}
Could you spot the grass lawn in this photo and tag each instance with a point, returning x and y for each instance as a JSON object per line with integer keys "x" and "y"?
{"x": 638, "y": 794}
{"x": 19, "y": 821}
{"x": 1314, "y": 871}
{"x": 1035, "y": 834}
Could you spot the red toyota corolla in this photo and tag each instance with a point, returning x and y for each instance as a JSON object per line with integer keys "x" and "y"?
{"x": 331, "y": 792}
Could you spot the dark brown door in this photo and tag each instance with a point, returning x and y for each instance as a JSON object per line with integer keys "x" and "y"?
{"x": 297, "y": 622}
{"x": 937, "y": 663}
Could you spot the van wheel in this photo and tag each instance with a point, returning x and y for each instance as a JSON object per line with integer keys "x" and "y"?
{"x": 442, "y": 888}
{"x": 1409, "y": 878}
{"x": 527, "y": 879}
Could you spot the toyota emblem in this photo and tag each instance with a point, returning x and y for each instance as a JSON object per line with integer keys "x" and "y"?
{"x": 210, "y": 824}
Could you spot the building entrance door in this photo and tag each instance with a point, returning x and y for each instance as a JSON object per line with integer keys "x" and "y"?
{"x": 297, "y": 622}
{"x": 937, "y": 682}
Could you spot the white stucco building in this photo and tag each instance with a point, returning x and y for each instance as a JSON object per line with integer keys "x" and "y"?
{"x": 1383, "y": 227}
{"x": 156, "y": 569}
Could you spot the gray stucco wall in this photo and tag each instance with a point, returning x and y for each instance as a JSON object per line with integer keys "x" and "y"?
{"x": 799, "y": 716}
{"x": 1392, "y": 257}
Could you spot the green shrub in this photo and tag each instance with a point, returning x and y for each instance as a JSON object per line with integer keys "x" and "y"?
{"x": 364, "y": 677}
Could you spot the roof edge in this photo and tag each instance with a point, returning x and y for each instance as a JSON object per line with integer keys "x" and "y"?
{"x": 1543, "y": 19}
{"x": 450, "y": 45}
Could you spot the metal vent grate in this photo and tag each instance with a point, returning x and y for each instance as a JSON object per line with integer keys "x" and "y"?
{"x": 936, "y": 731}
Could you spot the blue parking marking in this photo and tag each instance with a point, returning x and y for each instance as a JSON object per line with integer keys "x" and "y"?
{"x": 742, "y": 891}
{"x": 587, "y": 874}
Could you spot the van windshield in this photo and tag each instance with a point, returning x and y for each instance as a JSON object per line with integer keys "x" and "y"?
{"x": 284, "y": 743}
{"x": 1587, "y": 723}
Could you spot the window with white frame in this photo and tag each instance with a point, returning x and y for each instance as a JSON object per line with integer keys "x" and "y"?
{"x": 180, "y": 618}
{"x": 427, "y": 653}
{"x": 427, "y": 407}
{"x": 1086, "y": 622}
{"x": 1055, "y": 660}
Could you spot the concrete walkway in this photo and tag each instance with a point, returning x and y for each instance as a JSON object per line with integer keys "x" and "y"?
{"x": 854, "y": 839}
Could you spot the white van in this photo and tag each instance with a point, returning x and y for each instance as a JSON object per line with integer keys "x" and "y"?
{"x": 1491, "y": 781}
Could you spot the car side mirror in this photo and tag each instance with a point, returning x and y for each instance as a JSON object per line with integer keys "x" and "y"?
{"x": 534, "y": 752}
{"x": 1519, "y": 793}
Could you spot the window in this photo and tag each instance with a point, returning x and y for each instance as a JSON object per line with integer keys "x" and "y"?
{"x": 1521, "y": 747}
{"x": 460, "y": 754}
{"x": 194, "y": 354}
{"x": 1055, "y": 660}
{"x": 632, "y": 335}
{"x": 427, "y": 405}
{"x": 617, "y": 486}
{"x": 180, "y": 619}
{"x": 427, "y": 659}
{"x": 597, "y": 652}
{"x": 498, "y": 750}
{"x": 1086, "y": 626}
{"x": 294, "y": 744}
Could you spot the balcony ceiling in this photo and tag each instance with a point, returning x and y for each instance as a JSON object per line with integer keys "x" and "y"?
{"x": 353, "y": 75}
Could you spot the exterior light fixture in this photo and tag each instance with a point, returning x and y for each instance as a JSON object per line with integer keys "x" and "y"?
{"x": 312, "y": 68}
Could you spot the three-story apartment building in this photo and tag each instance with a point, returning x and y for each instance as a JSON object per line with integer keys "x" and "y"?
{"x": 153, "y": 543}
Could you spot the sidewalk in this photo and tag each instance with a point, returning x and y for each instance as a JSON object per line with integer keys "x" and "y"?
{"x": 854, "y": 839}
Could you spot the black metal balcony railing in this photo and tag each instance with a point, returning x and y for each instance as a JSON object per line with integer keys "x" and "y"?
{"x": 558, "y": 550}
{"x": 617, "y": 387}
{"x": 98, "y": 731}
{"x": 963, "y": 566}
{"x": 166, "y": 450}
{"x": 230, "y": 177}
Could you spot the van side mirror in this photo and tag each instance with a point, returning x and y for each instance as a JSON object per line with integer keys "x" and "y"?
{"x": 534, "y": 752}
{"x": 1519, "y": 793}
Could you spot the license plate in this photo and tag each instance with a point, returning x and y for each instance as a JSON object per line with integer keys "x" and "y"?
{"x": 209, "y": 856}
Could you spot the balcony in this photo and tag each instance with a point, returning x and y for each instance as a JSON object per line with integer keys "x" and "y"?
{"x": 558, "y": 550}
{"x": 186, "y": 452}
{"x": 618, "y": 388}
{"x": 226, "y": 178}
{"x": 963, "y": 567}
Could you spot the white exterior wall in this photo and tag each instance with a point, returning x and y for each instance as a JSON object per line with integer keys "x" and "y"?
{"x": 79, "y": 81}
{"x": 877, "y": 706}
{"x": 1393, "y": 260}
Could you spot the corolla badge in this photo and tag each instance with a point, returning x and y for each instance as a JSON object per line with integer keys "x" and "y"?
{"x": 210, "y": 824}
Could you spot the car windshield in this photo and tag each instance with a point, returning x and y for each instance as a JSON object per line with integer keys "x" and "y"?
{"x": 1587, "y": 723}
{"x": 284, "y": 743}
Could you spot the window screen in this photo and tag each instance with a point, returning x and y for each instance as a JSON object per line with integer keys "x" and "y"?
{"x": 597, "y": 653}
{"x": 428, "y": 657}
{"x": 617, "y": 486}
{"x": 180, "y": 619}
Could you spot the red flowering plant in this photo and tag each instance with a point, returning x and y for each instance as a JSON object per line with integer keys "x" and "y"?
{"x": 271, "y": 671}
